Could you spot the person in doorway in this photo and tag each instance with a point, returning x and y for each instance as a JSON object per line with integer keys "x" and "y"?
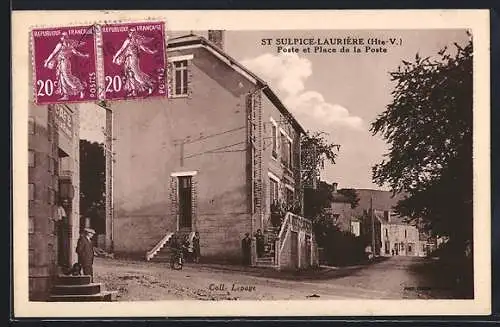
{"x": 259, "y": 240}
{"x": 61, "y": 223}
{"x": 85, "y": 252}
{"x": 246, "y": 247}
{"x": 196, "y": 247}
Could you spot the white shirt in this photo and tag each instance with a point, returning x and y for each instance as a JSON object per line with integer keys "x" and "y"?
{"x": 60, "y": 213}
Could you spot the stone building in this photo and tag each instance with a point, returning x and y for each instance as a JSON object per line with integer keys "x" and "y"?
{"x": 53, "y": 165}
{"x": 399, "y": 237}
{"x": 210, "y": 158}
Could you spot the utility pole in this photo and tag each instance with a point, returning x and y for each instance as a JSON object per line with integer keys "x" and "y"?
{"x": 108, "y": 152}
{"x": 180, "y": 143}
{"x": 373, "y": 226}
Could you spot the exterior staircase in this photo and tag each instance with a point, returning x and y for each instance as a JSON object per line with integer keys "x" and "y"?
{"x": 268, "y": 259}
{"x": 279, "y": 251}
{"x": 78, "y": 289}
{"x": 161, "y": 251}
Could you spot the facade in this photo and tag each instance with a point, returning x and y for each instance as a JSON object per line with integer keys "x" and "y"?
{"x": 210, "y": 158}
{"x": 398, "y": 237}
{"x": 342, "y": 214}
{"x": 53, "y": 208}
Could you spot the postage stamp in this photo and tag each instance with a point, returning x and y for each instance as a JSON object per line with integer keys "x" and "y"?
{"x": 315, "y": 163}
{"x": 134, "y": 60}
{"x": 64, "y": 64}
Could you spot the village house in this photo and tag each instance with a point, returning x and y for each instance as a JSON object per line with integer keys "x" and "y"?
{"x": 53, "y": 182}
{"x": 210, "y": 158}
{"x": 343, "y": 215}
{"x": 398, "y": 236}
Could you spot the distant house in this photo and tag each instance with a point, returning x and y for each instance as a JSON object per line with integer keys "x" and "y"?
{"x": 398, "y": 237}
{"x": 340, "y": 209}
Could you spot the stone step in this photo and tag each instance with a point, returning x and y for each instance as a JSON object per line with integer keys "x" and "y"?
{"x": 88, "y": 289}
{"x": 265, "y": 259}
{"x": 73, "y": 280}
{"x": 160, "y": 259}
{"x": 100, "y": 297}
{"x": 265, "y": 265}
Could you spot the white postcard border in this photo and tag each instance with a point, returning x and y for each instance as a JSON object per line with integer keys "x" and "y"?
{"x": 475, "y": 20}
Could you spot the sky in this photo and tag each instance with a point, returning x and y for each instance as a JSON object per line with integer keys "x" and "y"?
{"x": 337, "y": 93}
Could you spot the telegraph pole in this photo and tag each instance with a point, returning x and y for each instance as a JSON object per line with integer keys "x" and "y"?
{"x": 180, "y": 143}
{"x": 108, "y": 152}
{"x": 373, "y": 226}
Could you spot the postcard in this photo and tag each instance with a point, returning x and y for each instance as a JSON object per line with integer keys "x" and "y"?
{"x": 251, "y": 163}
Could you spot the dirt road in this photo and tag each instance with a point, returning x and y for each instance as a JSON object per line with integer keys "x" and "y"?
{"x": 388, "y": 279}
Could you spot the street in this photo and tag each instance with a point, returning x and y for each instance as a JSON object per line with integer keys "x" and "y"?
{"x": 389, "y": 278}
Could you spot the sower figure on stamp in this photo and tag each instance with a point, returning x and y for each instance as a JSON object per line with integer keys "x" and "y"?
{"x": 60, "y": 59}
{"x": 85, "y": 251}
{"x": 246, "y": 247}
{"x": 128, "y": 56}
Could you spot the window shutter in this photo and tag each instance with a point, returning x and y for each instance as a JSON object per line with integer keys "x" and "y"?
{"x": 174, "y": 202}
{"x": 194, "y": 201}
{"x": 189, "y": 78}
{"x": 170, "y": 80}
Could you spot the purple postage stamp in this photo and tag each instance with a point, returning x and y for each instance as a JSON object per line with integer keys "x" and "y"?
{"x": 64, "y": 60}
{"x": 134, "y": 60}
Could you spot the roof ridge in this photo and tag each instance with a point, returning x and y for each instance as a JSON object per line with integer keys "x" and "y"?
{"x": 265, "y": 87}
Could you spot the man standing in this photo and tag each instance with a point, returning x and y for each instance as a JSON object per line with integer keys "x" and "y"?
{"x": 196, "y": 247}
{"x": 246, "y": 247}
{"x": 85, "y": 251}
{"x": 259, "y": 238}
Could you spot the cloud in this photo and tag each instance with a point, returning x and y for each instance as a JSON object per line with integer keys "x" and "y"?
{"x": 287, "y": 73}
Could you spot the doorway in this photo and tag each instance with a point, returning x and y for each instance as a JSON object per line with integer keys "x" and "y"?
{"x": 185, "y": 202}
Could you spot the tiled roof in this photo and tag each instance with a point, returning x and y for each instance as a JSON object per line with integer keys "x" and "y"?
{"x": 192, "y": 39}
{"x": 395, "y": 219}
{"x": 338, "y": 197}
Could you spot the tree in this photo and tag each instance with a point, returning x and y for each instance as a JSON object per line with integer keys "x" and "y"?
{"x": 429, "y": 128}
{"x": 92, "y": 184}
{"x": 352, "y": 195}
{"x": 316, "y": 152}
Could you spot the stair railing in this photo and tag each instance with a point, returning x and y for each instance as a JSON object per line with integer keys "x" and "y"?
{"x": 151, "y": 253}
{"x": 294, "y": 223}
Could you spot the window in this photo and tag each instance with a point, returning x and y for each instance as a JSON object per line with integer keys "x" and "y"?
{"x": 180, "y": 77}
{"x": 52, "y": 196}
{"x": 31, "y": 158}
{"x": 49, "y": 131}
{"x": 52, "y": 167}
{"x": 405, "y": 233}
{"x": 273, "y": 191}
{"x": 274, "y": 130}
{"x": 31, "y": 191}
{"x": 31, "y": 225}
{"x": 31, "y": 125}
{"x": 289, "y": 196}
{"x": 286, "y": 150}
{"x": 386, "y": 233}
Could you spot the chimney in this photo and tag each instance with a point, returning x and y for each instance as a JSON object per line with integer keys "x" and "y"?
{"x": 387, "y": 216}
{"x": 217, "y": 38}
{"x": 334, "y": 186}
